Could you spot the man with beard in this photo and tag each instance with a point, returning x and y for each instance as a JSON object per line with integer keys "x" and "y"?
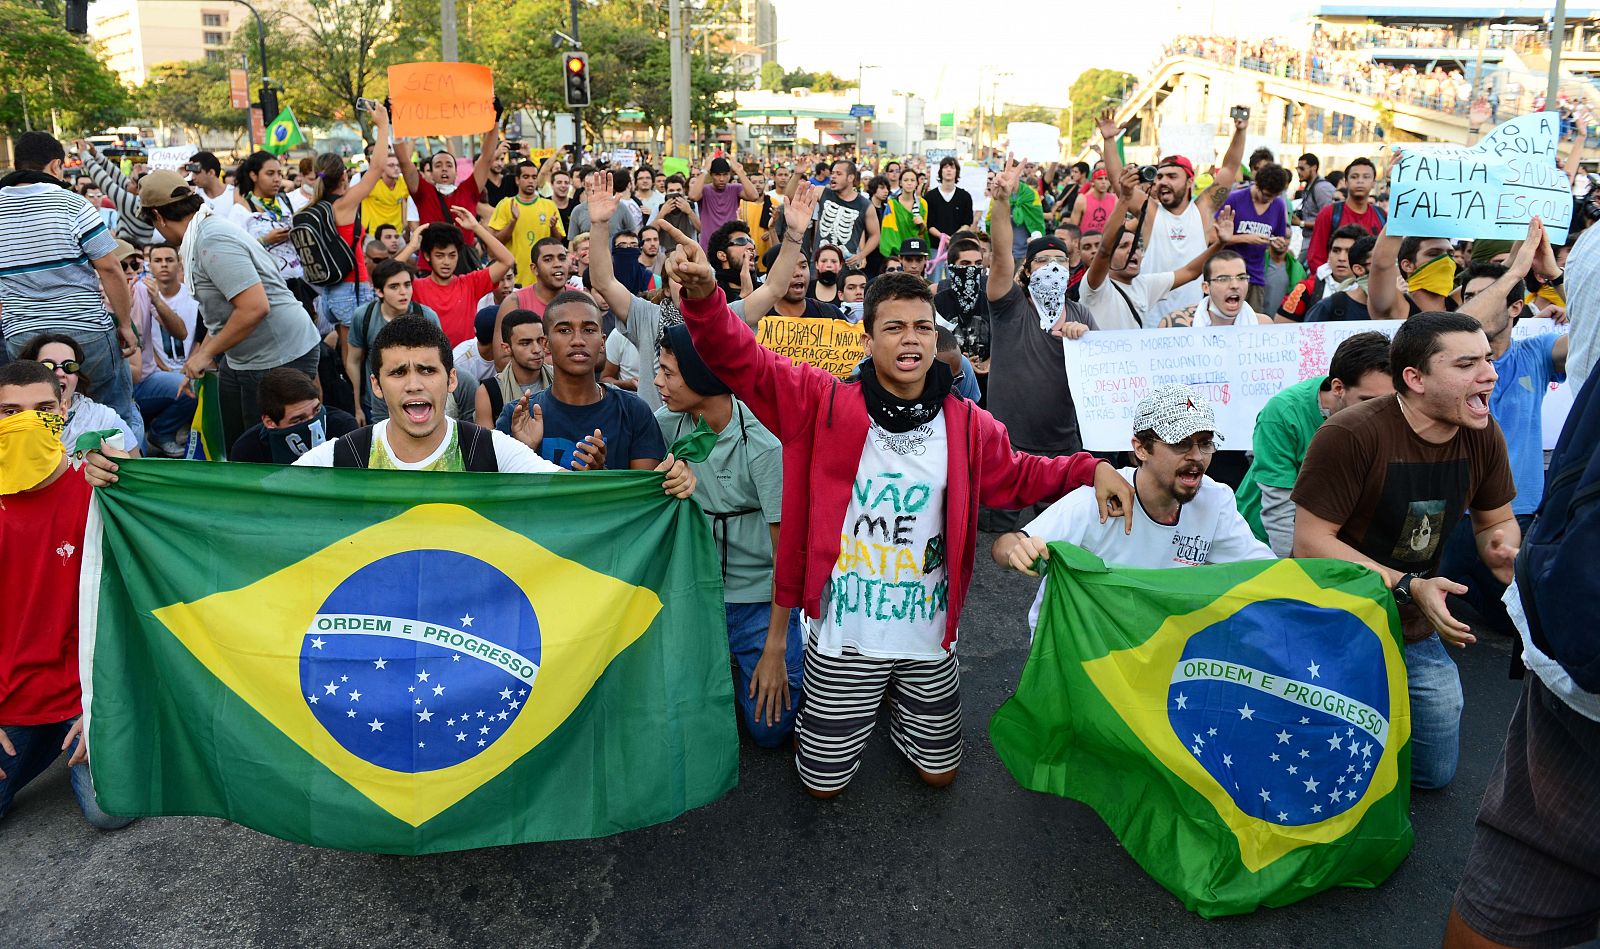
{"x": 1028, "y": 389}
{"x": 1183, "y": 518}
{"x": 844, "y": 216}
{"x": 1225, "y": 281}
{"x": 1180, "y": 226}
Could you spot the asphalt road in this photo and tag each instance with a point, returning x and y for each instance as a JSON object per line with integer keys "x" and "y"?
{"x": 890, "y": 863}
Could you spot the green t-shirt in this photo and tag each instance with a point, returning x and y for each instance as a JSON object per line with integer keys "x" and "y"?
{"x": 744, "y": 473}
{"x": 1283, "y": 433}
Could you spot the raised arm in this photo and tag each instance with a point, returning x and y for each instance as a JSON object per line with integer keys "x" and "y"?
{"x": 748, "y": 190}
{"x": 357, "y": 193}
{"x": 1003, "y": 271}
{"x": 697, "y": 184}
{"x": 796, "y": 218}
{"x": 408, "y": 169}
{"x": 1130, "y": 200}
{"x": 601, "y": 198}
{"x": 502, "y": 260}
{"x": 1384, "y": 299}
{"x": 1109, "y": 130}
{"x": 491, "y": 144}
{"x": 1489, "y": 306}
{"x": 1229, "y": 172}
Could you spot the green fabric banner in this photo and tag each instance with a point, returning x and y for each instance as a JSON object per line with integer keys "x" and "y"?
{"x": 404, "y": 662}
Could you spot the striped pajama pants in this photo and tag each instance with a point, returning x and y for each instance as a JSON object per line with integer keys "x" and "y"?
{"x": 843, "y": 695}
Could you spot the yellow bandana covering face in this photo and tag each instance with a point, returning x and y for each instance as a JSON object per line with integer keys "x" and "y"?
{"x": 30, "y": 449}
{"x": 1436, "y": 276}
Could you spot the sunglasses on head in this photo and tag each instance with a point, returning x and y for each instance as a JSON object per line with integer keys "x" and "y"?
{"x": 68, "y": 366}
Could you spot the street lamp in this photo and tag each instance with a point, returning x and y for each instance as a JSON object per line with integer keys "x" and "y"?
{"x": 861, "y": 69}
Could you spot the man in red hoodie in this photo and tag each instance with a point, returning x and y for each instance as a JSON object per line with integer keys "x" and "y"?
{"x": 882, "y": 480}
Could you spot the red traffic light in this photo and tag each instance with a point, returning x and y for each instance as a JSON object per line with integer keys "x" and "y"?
{"x": 574, "y": 65}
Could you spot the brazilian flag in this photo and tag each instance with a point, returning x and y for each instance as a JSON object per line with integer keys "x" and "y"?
{"x": 283, "y": 134}
{"x": 206, "y": 442}
{"x": 1243, "y": 728}
{"x": 404, "y": 662}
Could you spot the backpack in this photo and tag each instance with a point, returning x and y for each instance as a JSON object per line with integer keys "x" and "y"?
{"x": 476, "y": 445}
{"x": 1338, "y": 215}
{"x": 1555, "y": 569}
{"x": 324, "y": 255}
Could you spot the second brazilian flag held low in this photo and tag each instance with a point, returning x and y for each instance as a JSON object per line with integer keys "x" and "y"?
{"x": 403, "y": 662}
{"x": 1244, "y": 728}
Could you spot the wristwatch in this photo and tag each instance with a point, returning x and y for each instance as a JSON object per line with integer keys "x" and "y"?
{"x": 1402, "y": 590}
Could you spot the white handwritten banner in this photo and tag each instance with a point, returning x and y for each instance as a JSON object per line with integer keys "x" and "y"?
{"x": 1235, "y": 368}
{"x": 1489, "y": 190}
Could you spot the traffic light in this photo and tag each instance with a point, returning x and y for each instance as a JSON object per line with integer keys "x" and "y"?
{"x": 77, "y": 16}
{"x": 575, "y": 77}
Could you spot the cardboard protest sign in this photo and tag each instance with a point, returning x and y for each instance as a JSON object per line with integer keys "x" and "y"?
{"x": 1196, "y": 141}
{"x": 624, "y": 157}
{"x": 441, "y": 99}
{"x": 1033, "y": 141}
{"x": 1489, "y": 190}
{"x": 833, "y": 345}
{"x": 672, "y": 165}
{"x": 1235, "y": 368}
{"x": 171, "y": 159}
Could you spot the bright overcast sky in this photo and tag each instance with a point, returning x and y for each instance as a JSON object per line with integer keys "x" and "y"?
{"x": 934, "y": 48}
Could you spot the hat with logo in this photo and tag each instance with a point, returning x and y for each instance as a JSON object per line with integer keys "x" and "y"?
{"x": 913, "y": 247}
{"x": 163, "y": 187}
{"x": 1174, "y": 412}
{"x": 1180, "y": 162}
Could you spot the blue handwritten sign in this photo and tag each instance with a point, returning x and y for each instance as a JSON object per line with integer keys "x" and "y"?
{"x": 1488, "y": 190}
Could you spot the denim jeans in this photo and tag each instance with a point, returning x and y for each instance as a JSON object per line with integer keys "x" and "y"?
{"x": 37, "y": 746}
{"x": 110, "y": 379}
{"x": 1435, "y": 687}
{"x": 747, "y": 637}
{"x": 340, "y": 301}
{"x": 164, "y": 409}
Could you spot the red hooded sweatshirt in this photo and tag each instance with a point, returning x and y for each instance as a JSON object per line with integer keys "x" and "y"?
{"x": 823, "y": 425}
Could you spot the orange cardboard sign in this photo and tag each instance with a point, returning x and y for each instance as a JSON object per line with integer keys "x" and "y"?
{"x": 441, "y": 99}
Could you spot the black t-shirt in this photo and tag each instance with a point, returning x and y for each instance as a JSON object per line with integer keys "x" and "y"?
{"x": 842, "y": 223}
{"x": 947, "y": 217}
{"x": 493, "y": 193}
{"x": 1337, "y": 308}
{"x": 1028, "y": 388}
{"x": 255, "y": 445}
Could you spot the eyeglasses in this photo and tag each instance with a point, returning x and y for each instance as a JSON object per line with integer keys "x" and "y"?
{"x": 132, "y": 265}
{"x": 1206, "y": 445}
{"x": 68, "y": 366}
{"x": 1228, "y": 280}
{"x": 741, "y": 242}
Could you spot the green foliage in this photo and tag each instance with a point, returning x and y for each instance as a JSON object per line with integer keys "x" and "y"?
{"x": 1093, "y": 91}
{"x": 192, "y": 96}
{"x": 816, "y": 81}
{"x": 45, "y": 68}
{"x": 772, "y": 76}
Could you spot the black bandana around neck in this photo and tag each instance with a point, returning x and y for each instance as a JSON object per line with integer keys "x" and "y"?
{"x": 894, "y": 414}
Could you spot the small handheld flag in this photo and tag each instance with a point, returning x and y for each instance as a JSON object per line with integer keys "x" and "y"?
{"x": 283, "y": 134}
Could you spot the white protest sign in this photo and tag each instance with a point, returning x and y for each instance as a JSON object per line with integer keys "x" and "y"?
{"x": 1033, "y": 141}
{"x": 1196, "y": 142}
{"x": 1489, "y": 190}
{"x": 624, "y": 157}
{"x": 170, "y": 159}
{"x": 974, "y": 179}
{"x": 1235, "y": 368}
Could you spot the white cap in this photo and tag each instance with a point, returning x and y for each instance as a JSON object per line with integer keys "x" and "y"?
{"x": 1174, "y": 412}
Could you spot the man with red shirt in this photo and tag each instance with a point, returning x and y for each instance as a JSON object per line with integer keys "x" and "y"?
{"x": 455, "y": 298}
{"x": 1360, "y": 177}
{"x": 41, "y": 543}
{"x": 438, "y": 192}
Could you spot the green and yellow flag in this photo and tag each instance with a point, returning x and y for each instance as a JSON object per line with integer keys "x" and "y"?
{"x": 283, "y": 134}
{"x": 404, "y": 662}
{"x": 205, "y": 431}
{"x": 1243, "y": 728}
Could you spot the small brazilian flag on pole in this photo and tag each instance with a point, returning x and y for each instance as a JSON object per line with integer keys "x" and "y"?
{"x": 206, "y": 442}
{"x": 1243, "y": 728}
{"x": 404, "y": 662}
{"x": 283, "y": 134}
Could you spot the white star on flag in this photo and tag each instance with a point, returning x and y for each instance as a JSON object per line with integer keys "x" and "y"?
{"x": 515, "y": 704}
{"x": 355, "y": 695}
{"x": 1273, "y": 756}
{"x": 1265, "y": 796}
{"x": 481, "y": 743}
{"x": 1316, "y": 808}
{"x": 1247, "y": 712}
{"x": 461, "y": 736}
{"x": 1211, "y": 732}
{"x": 1333, "y": 742}
{"x": 1315, "y": 670}
{"x": 1304, "y": 720}
{"x": 455, "y": 657}
{"x": 317, "y": 643}
{"x": 1366, "y": 750}
{"x": 1311, "y": 785}
{"x": 375, "y": 725}
{"x": 484, "y": 730}
{"x": 1283, "y": 737}
{"x": 422, "y": 677}
{"x": 1183, "y": 700}
{"x": 332, "y": 688}
{"x": 379, "y": 663}
{"x": 1304, "y": 753}
{"x": 312, "y": 699}
{"x": 350, "y": 713}
{"x": 505, "y": 693}
{"x": 424, "y": 716}
{"x": 438, "y": 690}
{"x": 1293, "y": 770}
{"x": 466, "y": 620}
{"x": 1282, "y": 816}
{"x": 1227, "y": 761}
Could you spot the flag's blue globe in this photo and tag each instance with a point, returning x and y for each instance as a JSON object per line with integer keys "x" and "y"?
{"x": 1286, "y": 705}
{"x": 280, "y": 133}
{"x": 420, "y": 660}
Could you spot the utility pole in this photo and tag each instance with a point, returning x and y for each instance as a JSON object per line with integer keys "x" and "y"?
{"x": 447, "y": 48}
{"x": 577, "y": 114}
{"x": 677, "y": 29}
{"x": 1558, "y": 33}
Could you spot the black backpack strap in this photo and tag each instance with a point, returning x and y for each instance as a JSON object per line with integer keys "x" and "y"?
{"x": 353, "y": 450}
{"x": 477, "y": 447}
{"x": 1128, "y": 300}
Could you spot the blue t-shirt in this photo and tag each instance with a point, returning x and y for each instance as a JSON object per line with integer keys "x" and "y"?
{"x": 1274, "y": 223}
{"x": 630, "y": 430}
{"x": 1526, "y": 373}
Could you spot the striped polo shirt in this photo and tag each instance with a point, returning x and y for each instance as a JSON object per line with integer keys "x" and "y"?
{"x": 48, "y": 236}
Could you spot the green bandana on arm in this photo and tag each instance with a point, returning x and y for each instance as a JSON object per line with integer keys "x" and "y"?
{"x": 1027, "y": 212}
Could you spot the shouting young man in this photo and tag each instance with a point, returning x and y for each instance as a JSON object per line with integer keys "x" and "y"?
{"x": 882, "y": 482}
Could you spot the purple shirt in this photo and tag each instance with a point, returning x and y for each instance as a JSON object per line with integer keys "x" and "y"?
{"x": 718, "y": 208}
{"x": 1273, "y": 223}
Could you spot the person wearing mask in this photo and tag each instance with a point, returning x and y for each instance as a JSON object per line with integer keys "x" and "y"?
{"x": 293, "y": 421}
{"x": 828, "y": 264}
{"x": 717, "y": 191}
{"x": 1427, "y": 267}
{"x": 1360, "y": 177}
{"x": 1179, "y": 226}
{"x": 1358, "y": 373}
{"x": 253, "y": 322}
{"x": 963, "y": 305}
{"x": 1310, "y": 291}
{"x": 63, "y": 355}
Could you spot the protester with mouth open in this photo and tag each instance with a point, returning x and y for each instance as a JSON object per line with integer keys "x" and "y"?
{"x": 1385, "y": 481}
{"x": 1182, "y": 519}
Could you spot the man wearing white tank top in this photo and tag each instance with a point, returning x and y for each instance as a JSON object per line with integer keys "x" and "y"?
{"x": 1179, "y": 226}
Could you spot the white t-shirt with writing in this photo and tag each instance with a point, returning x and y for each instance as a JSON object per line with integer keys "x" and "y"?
{"x": 1175, "y": 239}
{"x": 1209, "y": 530}
{"x": 888, "y": 595}
{"x": 1109, "y": 304}
{"x": 510, "y": 455}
